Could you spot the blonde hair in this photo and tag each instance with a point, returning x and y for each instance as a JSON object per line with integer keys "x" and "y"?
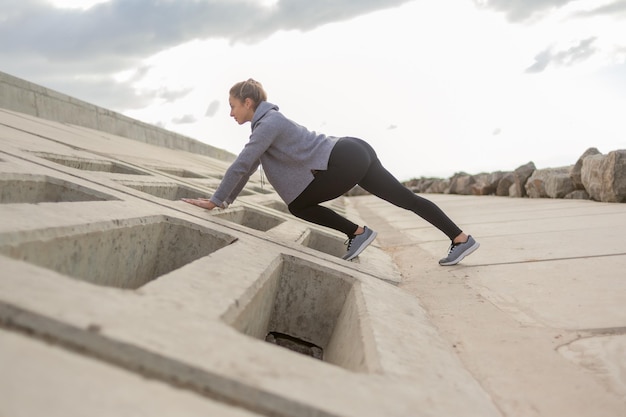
{"x": 251, "y": 89}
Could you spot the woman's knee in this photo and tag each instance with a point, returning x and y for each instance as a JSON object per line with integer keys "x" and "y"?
{"x": 298, "y": 209}
{"x": 293, "y": 209}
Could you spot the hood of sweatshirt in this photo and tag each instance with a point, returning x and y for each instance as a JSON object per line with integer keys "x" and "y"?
{"x": 262, "y": 109}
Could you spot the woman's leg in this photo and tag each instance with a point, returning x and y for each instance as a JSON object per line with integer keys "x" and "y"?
{"x": 347, "y": 165}
{"x": 380, "y": 182}
{"x": 353, "y": 161}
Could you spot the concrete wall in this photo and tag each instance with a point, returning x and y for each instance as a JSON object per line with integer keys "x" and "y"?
{"x": 25, "y": 97}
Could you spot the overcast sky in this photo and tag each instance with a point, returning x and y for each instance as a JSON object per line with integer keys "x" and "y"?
{"x": 437, "y": 86}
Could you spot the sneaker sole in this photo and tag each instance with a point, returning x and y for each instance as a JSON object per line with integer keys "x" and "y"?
{"x": 361, "y": 248}
{"x": 468, "y": 252}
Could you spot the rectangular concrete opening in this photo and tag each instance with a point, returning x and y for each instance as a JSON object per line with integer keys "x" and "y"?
{"x": 33, "y": 189}
{"x": 125, "y": 254}
{"x": 179, "y": 172}
{"x": 317, "y": 310}
{"x": 172, "y": 192}
{"x": 324, "y": 242}
{"x": 249, "y": 217}
{"x": 91, "y": 164}
{"x": 276, "y": 205}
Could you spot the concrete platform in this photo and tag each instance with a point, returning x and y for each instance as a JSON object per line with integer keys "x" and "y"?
{"x": 116, "y": 298}
{"x": 538, "y": 313}
{"x": 106, "y": 271}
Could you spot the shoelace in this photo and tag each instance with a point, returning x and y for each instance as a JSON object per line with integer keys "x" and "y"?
{"x": 453, "y": 246}
{"x": 348, "y": 242}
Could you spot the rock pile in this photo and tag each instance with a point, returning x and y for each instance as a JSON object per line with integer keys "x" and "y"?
{"x": 594, "y": 176}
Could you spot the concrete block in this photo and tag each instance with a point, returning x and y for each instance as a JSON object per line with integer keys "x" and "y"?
{"x": 33, "y": 189}
{"x": 164, "y": 190}
{"x": 125, "y": 254}
{"x": 310, "y": 303}
{"x": 92, "y": 164}
{"x": 250, "y": 217}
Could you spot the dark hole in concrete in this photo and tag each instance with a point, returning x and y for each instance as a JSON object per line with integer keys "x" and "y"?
{"x": 295, "y": 344}
{"x": 307, "y": 308}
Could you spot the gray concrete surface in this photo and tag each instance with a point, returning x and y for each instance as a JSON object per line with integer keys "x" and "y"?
{"x": 538, "y": 313}
{"x": 116, "y": 298}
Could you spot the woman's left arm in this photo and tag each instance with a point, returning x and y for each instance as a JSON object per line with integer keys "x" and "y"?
{"x": 238, "y": 174}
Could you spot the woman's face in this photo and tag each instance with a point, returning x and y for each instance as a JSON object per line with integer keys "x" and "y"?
{"x": 241, "y": 111}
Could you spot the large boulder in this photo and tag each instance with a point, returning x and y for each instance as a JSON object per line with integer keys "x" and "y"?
{"x": 575, "y": 172}
{"x": 559, "y": 184}
{"x": 486, "y": 184}
{"x": 427, "y": 185}
{"x": 550, "y": 182}
{"x": 521, "y": 175}
{"x": 461, "y": 183}
{"x": 424, "y": 184}
{"x": 514, "y": 191}
{"x": 504, "y": 185}
{"x": 604, "y": 176}
{"x": 439, "y": 187}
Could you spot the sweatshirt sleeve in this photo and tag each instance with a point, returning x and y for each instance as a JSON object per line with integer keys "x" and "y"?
{"x": 238, "y": 174}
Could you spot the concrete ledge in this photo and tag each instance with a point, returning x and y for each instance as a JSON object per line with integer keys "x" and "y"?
{"x": 79, "y": 379}
{"x": 25, "y": 97}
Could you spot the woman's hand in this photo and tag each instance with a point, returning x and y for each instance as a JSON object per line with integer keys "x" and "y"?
{"x": 205, "y": 203}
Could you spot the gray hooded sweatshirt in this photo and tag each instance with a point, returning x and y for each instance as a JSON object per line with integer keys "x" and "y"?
{"x": 287, "y": 151}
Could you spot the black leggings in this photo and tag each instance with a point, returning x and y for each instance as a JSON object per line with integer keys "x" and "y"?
{"x": 353, "y": 161}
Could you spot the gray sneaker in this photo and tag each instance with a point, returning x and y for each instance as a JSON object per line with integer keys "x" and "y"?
{"x": 357, "y": 244}
{"x": 458, "y": 251}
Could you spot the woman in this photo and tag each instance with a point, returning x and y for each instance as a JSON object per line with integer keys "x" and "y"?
{"x": 306, "y": 169}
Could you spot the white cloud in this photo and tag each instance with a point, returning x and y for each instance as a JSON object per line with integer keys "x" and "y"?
{"x": 436, "y": 87}
{"x": 212, "y": 109}
{"x": 570, "y": 56}
{"x": 135, "y": 29}
{"x": 186, "y": 119}
{"x": 520, "y": 10}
